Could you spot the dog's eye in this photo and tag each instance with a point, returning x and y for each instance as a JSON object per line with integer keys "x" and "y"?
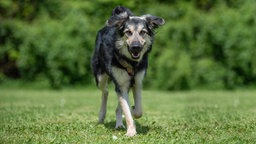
{"x": 128, "y": 32}
{"x": 143, "y": 32}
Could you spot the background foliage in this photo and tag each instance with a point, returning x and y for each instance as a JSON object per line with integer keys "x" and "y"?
{"x": 204, "y": 43}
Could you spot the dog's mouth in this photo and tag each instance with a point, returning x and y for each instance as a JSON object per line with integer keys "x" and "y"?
{"x": 135, "y": 55}
{"x": 135, "y": 52}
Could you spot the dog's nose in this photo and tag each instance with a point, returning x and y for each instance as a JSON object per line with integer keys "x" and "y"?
{"x": 136, "y": 47}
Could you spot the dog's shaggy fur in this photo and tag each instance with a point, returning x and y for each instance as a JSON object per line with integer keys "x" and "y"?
{"x": 121, "y": 55}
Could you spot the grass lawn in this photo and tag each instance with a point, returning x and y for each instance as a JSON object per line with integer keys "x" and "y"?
{"x": 70, "y": 116}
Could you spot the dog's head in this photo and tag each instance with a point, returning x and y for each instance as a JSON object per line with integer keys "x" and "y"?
{"x": 136, "y": 33}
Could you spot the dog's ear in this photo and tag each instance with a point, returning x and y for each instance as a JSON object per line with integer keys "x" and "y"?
{"x": 154, "y": 21}
{"x": 119, "y": 15}
{"x": 117, "y": 11}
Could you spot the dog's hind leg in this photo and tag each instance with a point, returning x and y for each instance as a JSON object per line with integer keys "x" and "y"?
{"x": 119, "y": 119}
{"x": 103, "y": 86}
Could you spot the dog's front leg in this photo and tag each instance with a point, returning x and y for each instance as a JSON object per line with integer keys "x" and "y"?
{"x": 122, "y": 82}
{"x": 136, "y": 89}
{"x": 123, "y": 100}
{"x": 137, "y": 108}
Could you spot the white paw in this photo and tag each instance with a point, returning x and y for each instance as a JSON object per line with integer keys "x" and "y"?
{"x": 131, "y": 132}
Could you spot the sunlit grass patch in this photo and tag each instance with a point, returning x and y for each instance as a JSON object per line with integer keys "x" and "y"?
{"x": 70, "y": 116}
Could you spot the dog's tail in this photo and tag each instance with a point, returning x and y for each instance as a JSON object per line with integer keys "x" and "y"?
{"x": 95, "y": 62}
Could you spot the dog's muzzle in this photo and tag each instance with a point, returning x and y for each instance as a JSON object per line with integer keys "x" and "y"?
{"x": 135, "y": 50}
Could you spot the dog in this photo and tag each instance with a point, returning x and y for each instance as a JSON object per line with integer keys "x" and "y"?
{"x": 121, "y": 55}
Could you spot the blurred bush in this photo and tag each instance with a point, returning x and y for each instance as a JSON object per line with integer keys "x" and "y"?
{"x": 209, "y": 46}
{"x": 59, "y": 49}
{"x": 204, "y": 43}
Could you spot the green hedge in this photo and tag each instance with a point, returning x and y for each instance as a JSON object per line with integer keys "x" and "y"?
{"x": 200, "y": 48}
{"x": 204, "y": 43}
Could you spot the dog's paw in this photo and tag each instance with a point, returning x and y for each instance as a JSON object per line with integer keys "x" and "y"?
{"x": 136, "y": 114}
{"x": 131, "y": 132}
{"x": 133, "y": 110}
{"x": 100, "y": 121}
{"x": 119, "y": 126}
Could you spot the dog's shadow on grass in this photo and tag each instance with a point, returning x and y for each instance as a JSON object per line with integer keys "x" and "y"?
{"x": 141, "y": 129}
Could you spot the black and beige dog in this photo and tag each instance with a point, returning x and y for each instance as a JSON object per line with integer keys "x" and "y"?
{"x": 121, "y": 55}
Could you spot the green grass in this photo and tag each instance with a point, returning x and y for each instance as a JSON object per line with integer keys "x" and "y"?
{"x": 70, "y": 116}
